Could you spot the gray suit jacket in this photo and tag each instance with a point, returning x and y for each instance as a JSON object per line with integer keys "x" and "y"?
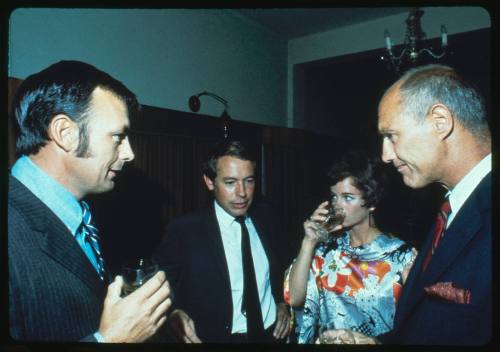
{"x": 54, "y": 292}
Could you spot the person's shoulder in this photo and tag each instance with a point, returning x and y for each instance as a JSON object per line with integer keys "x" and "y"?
{"x": 23, "y": 204}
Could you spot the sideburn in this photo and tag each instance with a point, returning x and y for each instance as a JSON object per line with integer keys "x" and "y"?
{"x": 82, "y": 151}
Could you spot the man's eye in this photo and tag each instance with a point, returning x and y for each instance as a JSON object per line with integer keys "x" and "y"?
{"x": 118, "y": 138}
{"x": 229, "y": 183}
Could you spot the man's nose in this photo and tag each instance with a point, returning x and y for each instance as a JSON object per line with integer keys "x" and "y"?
{"x": 241, "y": 190}
{"x": 387, "y": 151}
{"x": 126, "y": 152}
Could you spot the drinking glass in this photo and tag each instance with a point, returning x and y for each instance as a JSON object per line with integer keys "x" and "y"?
{"x": 323, "y": 339}
{"x": 135, "y": 273}
{"x": 334, "y": 218}
{"x": 337, "y": 337}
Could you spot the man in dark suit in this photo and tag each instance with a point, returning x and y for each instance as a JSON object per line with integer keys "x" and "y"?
{"x": 220, "y": 260}
{"x": 434, "y": 129}
{"x": 73, "y": 121}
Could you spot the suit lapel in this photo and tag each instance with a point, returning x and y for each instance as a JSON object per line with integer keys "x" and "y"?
{"x": 462, "y": 230}
{"x": 55, "y": 239}
{"x": 216, "y": 247}
{"x": 61, "y": 246}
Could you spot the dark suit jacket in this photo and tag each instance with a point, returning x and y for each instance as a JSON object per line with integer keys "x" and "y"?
{"x": 463, "y": 257}
{"x": 192, "y": 255}
{"x": 55, "y": 293}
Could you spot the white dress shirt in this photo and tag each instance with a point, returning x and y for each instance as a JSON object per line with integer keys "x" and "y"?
{"x": 459, "y": 194}
{"x": 231, "y": 239}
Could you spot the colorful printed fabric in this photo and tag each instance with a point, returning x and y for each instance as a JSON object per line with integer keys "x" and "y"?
{"x": 354, "y": 288}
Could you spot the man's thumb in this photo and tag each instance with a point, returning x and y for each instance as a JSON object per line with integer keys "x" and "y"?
{"x": 115, "y": 289}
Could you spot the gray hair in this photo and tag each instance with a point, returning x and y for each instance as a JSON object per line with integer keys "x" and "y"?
{"x": 424, "y": 86}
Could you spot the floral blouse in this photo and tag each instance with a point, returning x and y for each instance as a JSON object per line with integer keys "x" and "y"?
{"x": 354, "y": 288}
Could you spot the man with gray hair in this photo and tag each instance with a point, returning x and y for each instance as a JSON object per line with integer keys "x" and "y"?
{"x": 434, "y": 129}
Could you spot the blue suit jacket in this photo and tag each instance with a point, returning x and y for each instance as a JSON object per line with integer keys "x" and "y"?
{"x": 55, "y": 293}
{"x": 463, "y": 257}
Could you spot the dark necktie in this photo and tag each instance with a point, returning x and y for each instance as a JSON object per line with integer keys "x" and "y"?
{"x": 91, "y": 236}
{"x": 441, "y": 221}
{"x": 250, "y": 306}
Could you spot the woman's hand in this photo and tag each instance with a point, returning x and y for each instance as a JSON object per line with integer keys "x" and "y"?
{"x": 345, "y": 337}
{"x": 312, "y": 225}
{"x": 311, "y": 230}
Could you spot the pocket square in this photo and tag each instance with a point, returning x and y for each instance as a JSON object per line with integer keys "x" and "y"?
{"x": 449, "y": 292}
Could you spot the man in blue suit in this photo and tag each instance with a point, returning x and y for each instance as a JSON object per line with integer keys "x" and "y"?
{"x": 434, "y": 129}
{"x": 73, "y": 121}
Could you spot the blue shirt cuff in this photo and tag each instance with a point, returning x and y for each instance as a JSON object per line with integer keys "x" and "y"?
{"x": 99, "y": 337}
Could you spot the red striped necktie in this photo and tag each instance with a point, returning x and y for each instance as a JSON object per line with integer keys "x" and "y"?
{"x": 441, "y": 221}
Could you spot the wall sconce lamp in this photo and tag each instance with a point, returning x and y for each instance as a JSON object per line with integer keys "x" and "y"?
{"x": 225, "y": 120}
{"x": 413, "y": 44}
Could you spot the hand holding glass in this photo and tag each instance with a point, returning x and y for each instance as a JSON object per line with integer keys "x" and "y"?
{"x": 334, "y": 218}
{"x": 337, "y": 337}
{"x": 136, "y": 273}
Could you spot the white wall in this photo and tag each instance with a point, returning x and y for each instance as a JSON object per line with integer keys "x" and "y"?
{"x": 162, "y": 55}
{"x": 167, "y": 55}
{"x": 370, "y": 35}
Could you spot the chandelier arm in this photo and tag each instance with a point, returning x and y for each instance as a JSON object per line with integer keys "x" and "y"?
{"x": 436, "y": 56}
{"x": 415, "y": 39}
{"x": 398, "y": 58}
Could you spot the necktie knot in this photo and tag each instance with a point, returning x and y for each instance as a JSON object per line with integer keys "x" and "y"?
{"x": 240, "y": 220}
{"x": 86, "y": 213}
{"x": 445, "y": 208}
{"x": 92, "y": 231}
{"x": 440, "y": 227}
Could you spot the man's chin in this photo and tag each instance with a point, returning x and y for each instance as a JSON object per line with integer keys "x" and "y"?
{"x": 109, "y": 185}
{"x": 239, "y": 211}
{"x": 413, "y": 182}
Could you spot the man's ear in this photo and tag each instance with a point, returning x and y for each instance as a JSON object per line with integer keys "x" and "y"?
{"x": 442, "y": 120}
{"x": 64, "y": 132}
{"x": 208, "y": 182}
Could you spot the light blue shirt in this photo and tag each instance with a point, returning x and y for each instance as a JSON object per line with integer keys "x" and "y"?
{"x": 231, "y": 239}
{"x": 58, "y": 199}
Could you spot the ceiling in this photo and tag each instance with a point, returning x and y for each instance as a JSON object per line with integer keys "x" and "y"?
{"x": 290, "y": 23}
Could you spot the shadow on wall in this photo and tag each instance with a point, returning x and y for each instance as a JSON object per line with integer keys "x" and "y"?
{"x": 130, "y": 218}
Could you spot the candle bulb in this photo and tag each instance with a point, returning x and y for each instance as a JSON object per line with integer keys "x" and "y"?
{"x": 444, "y": 36}
{"x": 388, "y": 43}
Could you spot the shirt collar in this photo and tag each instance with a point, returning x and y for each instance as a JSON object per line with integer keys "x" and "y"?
{"x": 459, "y": 194}
{"x": 54, "y": 195}
{"x": 223, "y": 217}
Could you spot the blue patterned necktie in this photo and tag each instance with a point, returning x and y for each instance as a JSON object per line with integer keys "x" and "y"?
{"x": 91, "y": 236}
